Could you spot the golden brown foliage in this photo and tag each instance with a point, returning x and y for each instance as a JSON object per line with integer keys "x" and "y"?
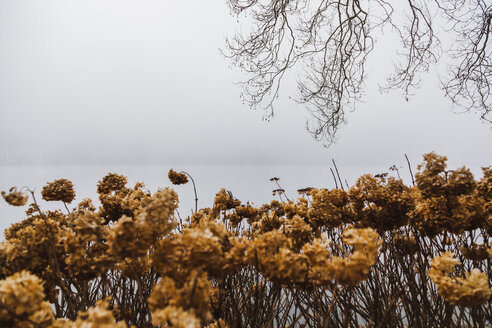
{"x": 329, "y": 258}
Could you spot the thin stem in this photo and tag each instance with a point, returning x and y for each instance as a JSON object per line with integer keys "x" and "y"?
{"x": 283, "y": 192}
{"x": 194, "y": 189}
{"x": 410, "y": 168}
{"x": 334, "y": 178}
{"x": 65, "y": 204}
{"x": 336, "y": 169}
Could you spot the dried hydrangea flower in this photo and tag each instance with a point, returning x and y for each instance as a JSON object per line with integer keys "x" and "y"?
{"x": 117, "y": 200}
{"x": 22, "y": 302}
{"x": 86, "y": 205}
{"x": 469, "y": 291}
{"x": 328, "y": 207}
{"x": 484, "y": 187}
{"x": 326, "y": 269}
{"x": 59, "y": 190}
{"x": 87, "y": 254}
{"x": 158, "y": 214}
{"x": 298, "y": 230}
{"x": 14, "y": 197}
{"x": 224, "y": 200}
{"x": 235, "y": 258}
{"x": 98, "y": 316}
{"x": 126, "y": 239}
{"x": 446, "y": 200}
{"x": 177, "y": 178}
{"x": 271, "y": 254}
{"x": 132, "y": 237}
{"x": 199, "y": 246}
{"x": 186, "y": 305}
{"x": 32, "y": 240}
{"x": 175, "y": 317}
{"x": 431, "y": 180}
{"x": 381, "y": 204}
{"x": 111, "y": 182}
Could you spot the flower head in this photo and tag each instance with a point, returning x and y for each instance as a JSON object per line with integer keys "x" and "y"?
{"x": 59, "y": 190}
{"x": 14, "y": 197}
{"x": 469, "y": 291}
{"x": 177, "y": 178}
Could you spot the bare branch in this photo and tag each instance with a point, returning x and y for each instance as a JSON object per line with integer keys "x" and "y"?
{"x": 329, "y": 43}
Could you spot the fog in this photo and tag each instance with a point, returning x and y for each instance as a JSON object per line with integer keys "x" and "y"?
{"x": 127, "y": 82}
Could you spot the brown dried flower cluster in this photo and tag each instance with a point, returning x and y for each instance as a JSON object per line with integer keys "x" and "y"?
{"x": 22, "y": 302}
{"x": 472, "y": 290}
{"x": 177, "y": 178}
{"x": 14, "y": 197}
{"x": 59, "y": 190}
{"x": 98, "y": 316}
{"x": 447, "y": 200}
{"x": 330, "y": 258}
{"x": 181, "y": 304}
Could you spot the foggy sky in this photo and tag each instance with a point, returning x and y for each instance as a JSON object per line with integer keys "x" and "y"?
{"x": 103, "y": 82}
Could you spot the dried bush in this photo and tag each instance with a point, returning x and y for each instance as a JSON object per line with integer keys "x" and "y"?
{"x": 379, "y": 254}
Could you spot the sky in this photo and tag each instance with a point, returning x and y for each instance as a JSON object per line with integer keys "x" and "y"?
{"x": 143, "y": 82}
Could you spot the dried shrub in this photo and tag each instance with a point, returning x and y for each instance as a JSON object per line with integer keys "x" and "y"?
{"x": 335, "y": 258}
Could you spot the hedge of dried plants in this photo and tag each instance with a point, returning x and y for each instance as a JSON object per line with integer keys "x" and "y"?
{"x": 381, "y": 254}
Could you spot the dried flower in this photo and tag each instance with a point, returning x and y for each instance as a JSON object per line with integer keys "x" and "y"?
{"x": 111, "y": 182}
{"x": 118, "y": 200}
{"x": 187, "y": 305}
{"x": 469, "y": 291}
{"x": 304, "y": 190}
{"x": 98, "y": 316}
{"x": 224, "y": 200}
{"x": 22, "y": 302}
{"x": 14, "y": 197}
{"x": 177, "y": 178}
{"x": 326, "y": 269}
{"x": 175, "y": 317}
{"x": 59, "y": 190}
{"x": 214, "y": 269}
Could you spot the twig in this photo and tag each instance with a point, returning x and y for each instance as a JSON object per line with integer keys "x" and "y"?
{"x": 410, "y": 168}
{"x": 334, "y": 178}
{"x": 336, "y": 169}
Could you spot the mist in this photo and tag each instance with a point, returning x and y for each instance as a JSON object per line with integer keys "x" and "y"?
{"x": 104, "y": 82}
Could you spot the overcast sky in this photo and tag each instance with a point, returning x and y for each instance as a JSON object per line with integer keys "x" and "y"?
{"x": 112, "y": 81}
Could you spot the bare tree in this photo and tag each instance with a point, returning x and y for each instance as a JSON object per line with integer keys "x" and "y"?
{"x": 331, "y": 41}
